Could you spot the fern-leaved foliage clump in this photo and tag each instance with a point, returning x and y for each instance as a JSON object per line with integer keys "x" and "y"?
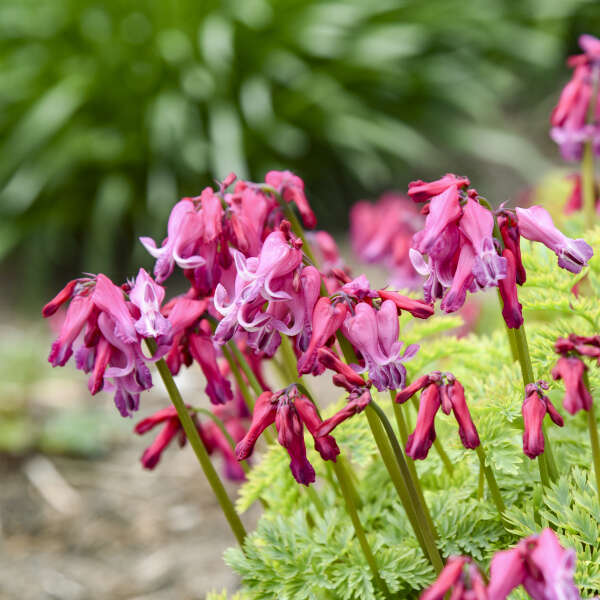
{"x": 295, "y": 553}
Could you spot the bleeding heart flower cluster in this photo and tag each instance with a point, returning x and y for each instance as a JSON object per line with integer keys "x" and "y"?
{"x": 575, "y": 119}
{"x": 381, "y": 233}
{"x": 539, "y": 563}
{"x": 467, "y": 253}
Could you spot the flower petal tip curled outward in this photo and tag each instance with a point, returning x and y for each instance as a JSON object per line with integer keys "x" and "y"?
{"x": 535, "y": 224}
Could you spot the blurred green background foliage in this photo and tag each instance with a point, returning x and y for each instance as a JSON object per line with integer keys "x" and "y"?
{"x": 110, "y": 111}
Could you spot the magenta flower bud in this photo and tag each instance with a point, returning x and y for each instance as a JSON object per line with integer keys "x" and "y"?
{"x": 509, "y": 230}
{"x": 511, "y": 307}
{"x": 78, "y": 312}
{"x": 290, "y": 411}
{"x": 212, "y": 215}
{"x": 63, "y": 296}
{"x": 359, "y": 288}
{"x": 535, "y": 407}
{"x": 375, "y": 335}
{"x": 536, "y": 224}
{"x": 330, "y": 361}
{"x": 466, "y": 428}
{"x": 172, "y": 427}
{"x": 466, "y": 584}
{"x": 358, "y": 400}
{"x": 421, "y": 191}
{"x": 325, "y": 445}
{"x": 291, "y": 188}
{"x": 147, "y": 295}
{"x": 418, "y": 384}
{"x": 265, "y": 409}
{"x": 327, "y": 318}
{"x": 201, "y": 347}
{"x": 477, "y": 225}
{"x": 417, "y": 308}
{"x": 419, "y": 442}
{"x": 577, "y": 396}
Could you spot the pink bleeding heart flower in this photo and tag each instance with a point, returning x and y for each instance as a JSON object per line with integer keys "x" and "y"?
{"x": 540, "y": 564}
{"x": 291, "y": 188}
{"x": 477, "y": 225}
{"x": 184, "y": 231}
{"x": 535, "y": 407}
{"x": 571, "y": 370}
{"x": 512, "y": 311}
{"x": 444, "y": 210}
{"x": 110, "y": 300}
{"x": 535, "y": 224}
{"x": 148, "y": 296}
{"x": 327, "y": 318}
{"x": 257, "y": 279}
{"x": 462, "y": 577}
{"x": 290, "y": 411}
{"x": 421, "y": 191}
{"x": 509, "y": 230}
{"x": 171, "y": 429}
{"x": 417, "y": 308}
{"x": 421, "y": 439}
{"x": 454, "y": 393}
{"x": 375, "y": 335}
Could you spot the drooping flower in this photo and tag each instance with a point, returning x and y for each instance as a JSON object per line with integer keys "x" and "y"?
{"x": 535, "y": 224}
{"x": 291, "y": 188}
{"x": 421, "y": 439}
{"x": 289, "y": 410}
{"x": 374, "y": 333}
{"x": 509, "y": 230}
{"x": 477, "y": 224}
{"x": 535, "y": 407}
{"x": 381, "y": 234}
{"x": 148, "y": 296}
{"x": 512, "y": 311}
{"x": 540, "y": 564}
{"x": 417, "y": 308}
{"x": 465, "y": 583}
{"x": 184, "y": 232}
{"x": 327, "y": 318}
{"x": 453, "y": 398}
{"x": 421, "y": 191}
{"x": 202, "y": 349}
{"x": 171, "y": 429}
{"x": 571, "y": 371}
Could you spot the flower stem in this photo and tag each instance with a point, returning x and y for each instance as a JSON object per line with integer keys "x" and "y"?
{"x": 437, "y": 444}
{"x": 491, "y": 480}
{"x": 409, "y": 461}
{"x": 346, "y": 487}
{"x": 235, "y": 370}
{"x": 387, "y": 456}
{"x": 593, "y": 429}
{"x": 420, "y": 508}
{"x": 252, "y": 380}
{"x": 480, "y": 483}
{"x": 588, "y": 184}
{"x": 196, "y": 443}
{"x": 546, "y": 463}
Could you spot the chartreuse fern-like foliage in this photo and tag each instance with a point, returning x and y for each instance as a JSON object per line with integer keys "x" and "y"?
{"x": 297, "y": 554}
